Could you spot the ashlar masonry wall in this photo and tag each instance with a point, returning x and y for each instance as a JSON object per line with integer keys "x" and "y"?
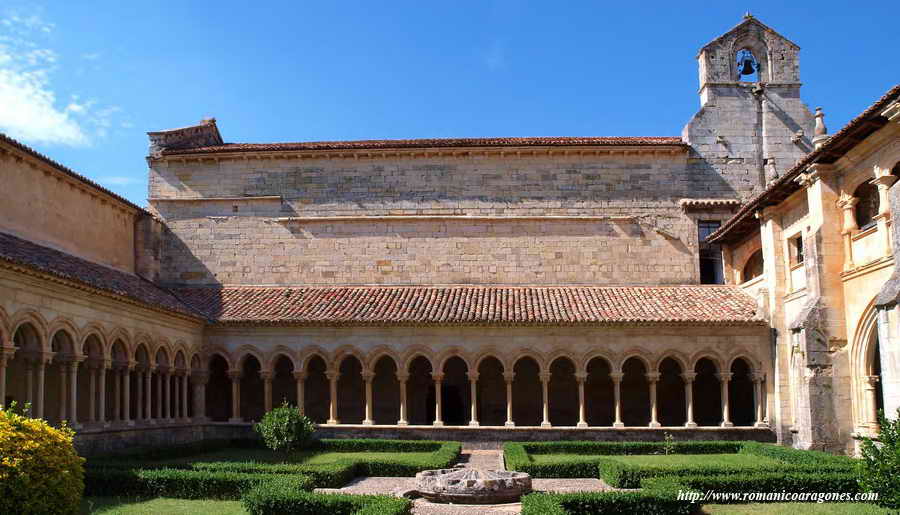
{"x": 605, "y": 218}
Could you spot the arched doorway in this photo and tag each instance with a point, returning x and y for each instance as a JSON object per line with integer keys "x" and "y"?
{"x": 635, "y": 393}
{"x": 741, "y": 406}
{"x": 218, "y": 390}
{"x": 707, "y": 394}
{"x": 420, "y": 392}
{"x": 284, "y": 387}
{"x": 21, "y": 372}
{"x": 145, "y": 393}
{"x": 385, "y": 392}
{"x": 599, "y": 395}
{"x": 563, "y": 393}
{"x": 316, "y": 391}
{"x": 456, "y": 394}
{"x": 491, "y": 392}
{"x": 670, "y": 394}
{"x": 56, "y": 378}
{"x": 252, "y": 390}
{"x": 528, "y": 393}
{"x": 88, "y": 379}
{"x": 351, "y": 392}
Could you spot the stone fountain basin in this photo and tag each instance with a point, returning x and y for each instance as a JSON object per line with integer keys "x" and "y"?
{"x": 472, "y": 486}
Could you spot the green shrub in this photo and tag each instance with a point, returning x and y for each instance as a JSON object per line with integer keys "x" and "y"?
{"x": 618, "y": 448}
{"x": 184, "y": 484}
{"x": 270, "y": 499}
{"x": 40, "y": 472}
{"x": 797, "y": 456}
{"x": 284, "y": 429}
{"x": 763, "y": 482}
{"x": 590, "y": 503}
{"x": 879, "y": 469}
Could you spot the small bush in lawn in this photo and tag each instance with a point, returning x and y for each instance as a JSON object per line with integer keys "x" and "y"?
{"x": 669, "y": 444}
{"x": 285, "y": 429}
{"x": 879, "y": 470}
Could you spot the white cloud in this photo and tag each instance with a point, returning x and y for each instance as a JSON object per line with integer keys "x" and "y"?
{"x": 119, "y": 180}
{"x": 29, "y": 107}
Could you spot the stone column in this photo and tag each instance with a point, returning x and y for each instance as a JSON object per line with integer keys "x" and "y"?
{"x": 367, "y": 377}
{"x": 545, "y": 399}
{"x": 63, "y": 372}
{"x": 73, "y": 390}
{"x": 117, "y": 395}
{"x": 849, "y": 227}
{"x": 581, "y": 377}
{"x": 235, "y": 376}
{"x": 872, "y": 401}
{"x": 167, "y": 386}
{"x": 332, "y": 399}
{"x": 883, "y": 180}
{"x": 652, "y": 379}
{"x": 617, "y": 396}
{"x": 724, "y": 378}
{"x": 159, "y": 393}
{"x": 689, "y": 397}
{"x": 438, "y": 379}
{"x": 267, "y": 389}
{"x": 38, "y": 406}
{"x": 200, "y": 379}
{"x": 300, "y": 379}
{"x": 2, "y": 375}
{"x": 508, "y": 378}
{"x": 184, "y": 395}
{"x": 101, "y": 400}
{"x": 758, "y": 397}
{"x": 126, "y": 389}
{"x": 139, "y": 414}
{"x": 402, "y": 378}
{"x": 92, "y": 400}
{"x": 29, "y": 385}
{"x": 148, "y": 395}
{"x": 473, "y": 385}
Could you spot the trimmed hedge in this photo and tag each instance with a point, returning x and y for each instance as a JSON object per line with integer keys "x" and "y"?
{"x": 796, "y": 456}
{"x": 185, "y": 484}
{"x": 659, "y": 499}
{"x": 775, "y": 482}
{"x": 271, "y": 499}
{"x": 619, "y": 448}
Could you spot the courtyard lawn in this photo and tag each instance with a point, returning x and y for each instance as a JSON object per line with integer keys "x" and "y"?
{"x": 795, "y": 509}
{"x": 299, "y": 458}
{"x": 690, "y": 460}
{"x": 125, "y": 506}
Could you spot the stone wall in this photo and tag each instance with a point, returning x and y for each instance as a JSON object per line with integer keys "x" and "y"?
{"x": 454, "y": 220}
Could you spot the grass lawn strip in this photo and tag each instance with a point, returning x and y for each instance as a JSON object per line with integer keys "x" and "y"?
{"x": 693, "y": 460}
{"x": 159, "y": 505}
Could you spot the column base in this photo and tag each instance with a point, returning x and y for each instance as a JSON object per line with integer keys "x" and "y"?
{"x": 546, "y": 424}
{"x": 581, "y": 425}
{"x": 332, "y": 422}
{"x": 509, "y": 423}
{"x": 761, "y": 425}
{"x": 474, "y": 423}
{"x": 727, "y": 424}
{"x": 235, "y": 420}
{"x": 402, "y": 423}
{"x": 368, "y": 423}
{"x": 618, "y": 424}
{"x": 691, "y": 425}
{"x": 438, "y": 423}
{"x": 655, "y": 424}
{"x": 129, "y": 422}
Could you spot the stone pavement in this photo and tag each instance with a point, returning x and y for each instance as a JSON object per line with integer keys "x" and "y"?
{"x": 473, "y": 458}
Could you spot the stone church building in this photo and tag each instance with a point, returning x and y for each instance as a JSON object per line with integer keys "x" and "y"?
{"x": 735, "y": 282}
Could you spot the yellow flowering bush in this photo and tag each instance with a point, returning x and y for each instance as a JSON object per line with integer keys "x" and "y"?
{"x": 40, "y": 472}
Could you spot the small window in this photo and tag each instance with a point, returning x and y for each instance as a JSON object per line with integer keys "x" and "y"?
{"x": 867, "y": 206}
{"x": 754, "y": 267}
{"x": 711, "y": 271}
{"x": 796, "y": 249}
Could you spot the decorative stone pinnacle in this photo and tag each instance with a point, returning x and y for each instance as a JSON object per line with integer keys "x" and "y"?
{"x": 821, "y": 132}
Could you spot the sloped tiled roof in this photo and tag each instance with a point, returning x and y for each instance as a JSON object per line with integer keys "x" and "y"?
{"x": 16, "y": 251}
{"x": 473, "y": 305}
{"x": 400, "y": 144}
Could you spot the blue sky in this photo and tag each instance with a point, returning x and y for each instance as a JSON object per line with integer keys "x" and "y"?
{"x": 84, "y": 84}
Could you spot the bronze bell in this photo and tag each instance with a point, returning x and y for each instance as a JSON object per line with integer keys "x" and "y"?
{"x": 747, "y": 67}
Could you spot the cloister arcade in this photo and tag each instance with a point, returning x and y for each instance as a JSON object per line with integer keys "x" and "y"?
{"x": 453, "y": 389}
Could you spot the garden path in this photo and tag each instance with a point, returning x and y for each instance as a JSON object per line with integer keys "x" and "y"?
{"x": 470, "y": 458}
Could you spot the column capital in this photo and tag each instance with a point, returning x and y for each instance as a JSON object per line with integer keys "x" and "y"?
{"x": 402, "y": 376}
{"x": 884, "y": 179}
{"x": 689, "y": 376}
{"x": 652, "y": 376}
{"x": 332, "y": 375}
{"x": 509, "y": 376}
{"x": 473, "y": 376}
{"x": 724, "y": 376}
{"x": 299, "y": 375}
{"x": 847, "y": 202}
{"x": 235, "y": 374}
{"x": 581, "y": 376}
{"x": 266, "y": 375}
{"x": 437, "y": 377}
{"x": 617, "y": 376}
{"x": 367, "y": 375}
{"x": 759, "y": 377}
{"x": 872, "y": 381}
{"x": 545, "y": 377}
